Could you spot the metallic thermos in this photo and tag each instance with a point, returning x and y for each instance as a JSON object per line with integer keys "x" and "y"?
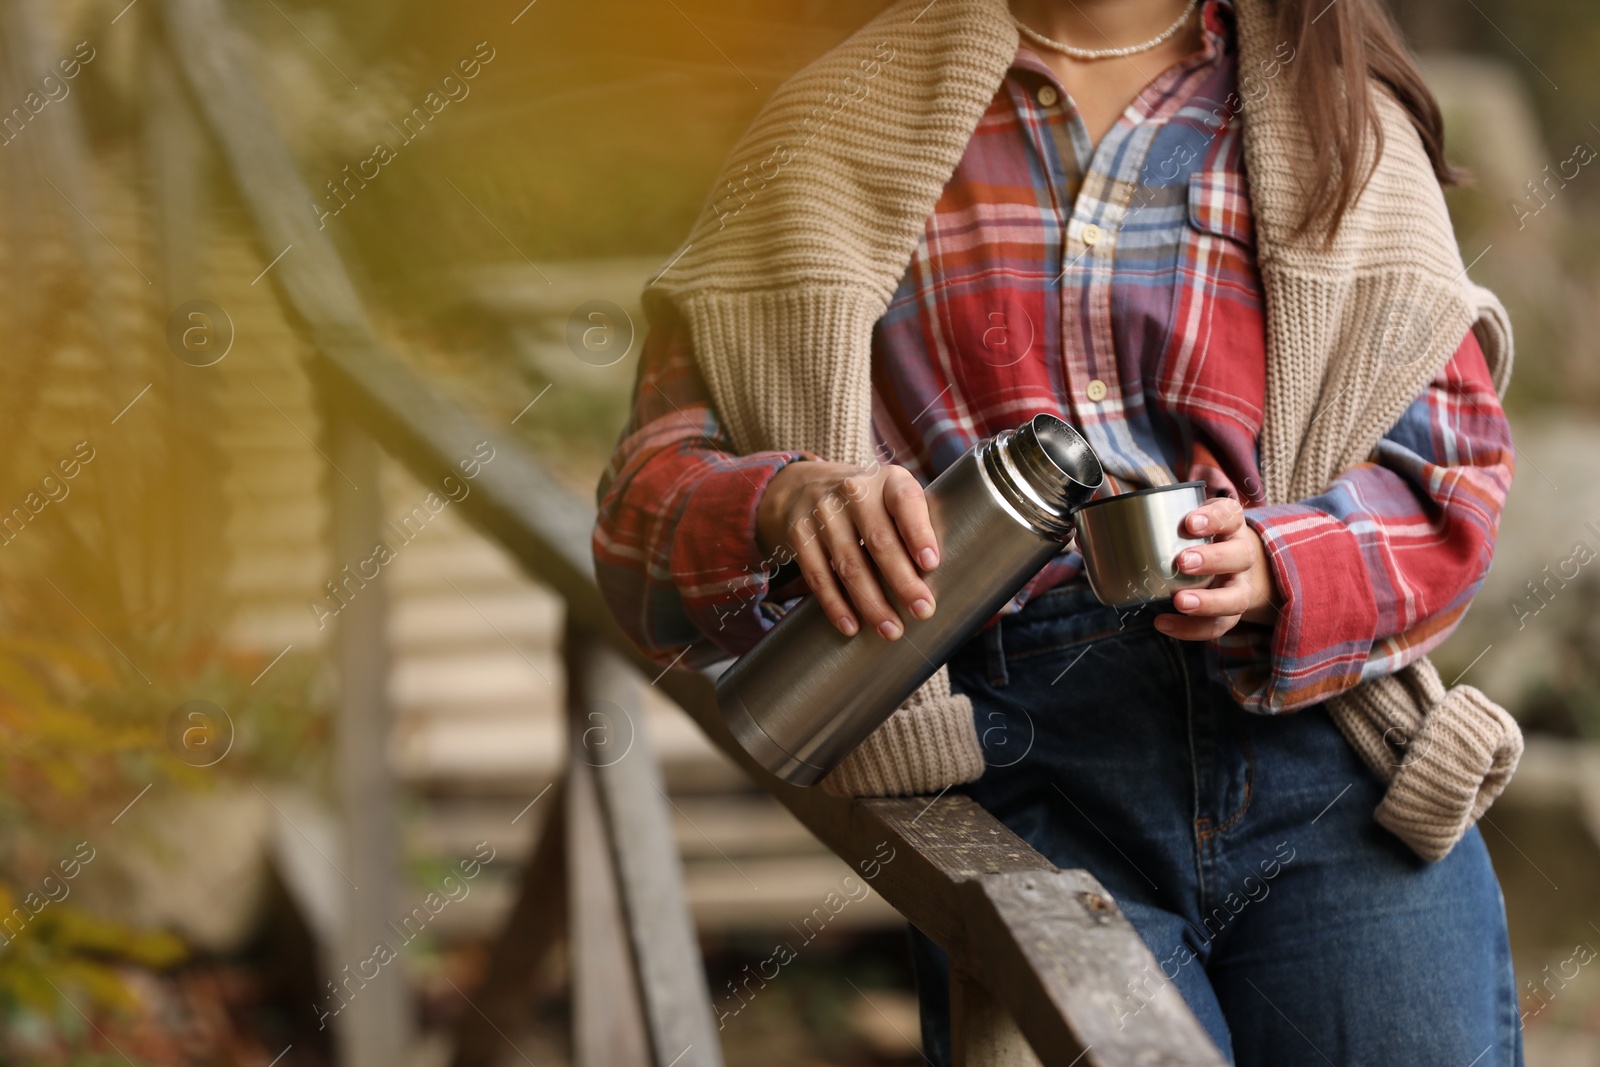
{"x": 806, "y": 695}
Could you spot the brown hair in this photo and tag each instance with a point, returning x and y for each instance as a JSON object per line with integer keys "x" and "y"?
{"x": 1356, "y": 36}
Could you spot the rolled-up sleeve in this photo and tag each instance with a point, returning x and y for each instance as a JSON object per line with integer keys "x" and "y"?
{"x": 1378, "y": 569}
{"x": 675, "y": 547}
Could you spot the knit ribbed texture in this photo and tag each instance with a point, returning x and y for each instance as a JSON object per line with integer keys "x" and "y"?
{"x": 819, "y": 209}
{"x": 928, "y": 744}
{"x": 1446, "y": 753}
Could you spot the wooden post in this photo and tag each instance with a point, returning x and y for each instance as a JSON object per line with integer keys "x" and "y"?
{"x": 608, "y": 1028}
{"x": 982, "y": 1032}
{"x": 666, "y": 953}
{"x": 536, "y": 923}
{"x": 374, "y": 1028}
{"x": 177, "y": 161}
{"x": 608, "y": 1021}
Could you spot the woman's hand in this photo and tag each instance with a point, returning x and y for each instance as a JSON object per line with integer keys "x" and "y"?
{"x": 1246, "y": 590}
{"x": 835, "y": 517}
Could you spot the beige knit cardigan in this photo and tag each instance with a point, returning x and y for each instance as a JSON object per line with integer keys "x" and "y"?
{"x": 817, "y": 214}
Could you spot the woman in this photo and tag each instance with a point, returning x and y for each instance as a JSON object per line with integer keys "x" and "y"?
{"x": 1181, "y": 227}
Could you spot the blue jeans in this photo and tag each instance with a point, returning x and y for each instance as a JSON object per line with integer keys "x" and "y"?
{"x": 1242, "y": 848}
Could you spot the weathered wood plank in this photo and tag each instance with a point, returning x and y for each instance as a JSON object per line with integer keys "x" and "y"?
{"x": 666, "y": 952}
{"x": 1058, "y": 952}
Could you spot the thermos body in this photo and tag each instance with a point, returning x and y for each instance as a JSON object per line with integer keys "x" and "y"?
{"x": 807, "y": 695}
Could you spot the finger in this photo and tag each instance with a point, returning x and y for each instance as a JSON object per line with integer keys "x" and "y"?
{"x": 1221, "y": 517}
{"x": 1230, "y": 599}
{"x": 1231, "y": 556}
{"x": 1187, "y": 629}
{"x": 818, "y": 573}
{"x": 908, "y": 504}
{"x": 860, "y": 581}
{"x": 882, "y": 538}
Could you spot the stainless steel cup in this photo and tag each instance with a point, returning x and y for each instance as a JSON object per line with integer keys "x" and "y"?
{"x": 1130, "y": 544}
{"x": 807, "y": 695}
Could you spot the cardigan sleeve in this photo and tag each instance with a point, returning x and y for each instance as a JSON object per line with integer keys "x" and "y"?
{"x": 674, "y": 544}
{"x": 1378, "y": 569}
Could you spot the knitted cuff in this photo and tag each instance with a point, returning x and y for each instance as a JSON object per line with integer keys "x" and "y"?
{"x": 929, "y": 744}
{"x": 1494, "y": 336}
{"x": 1463, "y": 756}
{"x": 1381, "y": 718}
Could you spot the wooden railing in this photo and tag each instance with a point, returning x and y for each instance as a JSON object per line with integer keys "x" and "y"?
{"x": 1041, "y": 957}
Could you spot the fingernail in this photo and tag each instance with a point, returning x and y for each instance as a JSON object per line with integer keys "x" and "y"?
{"x": 929, "y": 559}
{"x": 1187, "y": 601}
{"x": 1163, "y": 623}
{"x": 888, "y": 630}
{"x": 1200, "y": 523}
{"x": 921, "y": 608}
{"x": 847, "y": 625}
{"x": 1189, "y": 561}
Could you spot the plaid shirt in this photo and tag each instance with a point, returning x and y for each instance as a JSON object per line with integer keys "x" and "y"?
{"x": 1114, "y": 285}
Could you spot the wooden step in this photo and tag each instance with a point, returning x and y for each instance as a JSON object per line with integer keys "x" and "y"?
{"x": 271, "y": 629}
{"x": 792, "y": 899}
{"x": 431, "y": 622}
{"x": 496, "y": 674}
{"x": 445, "y": 551}
{"x": 287, "y": 576}
{"x": 503, "y": 750}
{"x": 436, "y": 755}
{"x": 263, "y": 524}
{"x": 292, "y": 479}
{"x": 751, "y": 825}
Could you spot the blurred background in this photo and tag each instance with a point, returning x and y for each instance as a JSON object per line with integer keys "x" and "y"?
{"x": 170, "y": 782}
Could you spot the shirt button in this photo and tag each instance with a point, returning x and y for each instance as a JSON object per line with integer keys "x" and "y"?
{"x": 1048, "y": 96}
{"x": 1096, "y": 390}
{"x": 1092, "y": 235}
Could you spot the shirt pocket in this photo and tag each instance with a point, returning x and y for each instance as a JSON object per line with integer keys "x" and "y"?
{"x": 1219, "y": 204}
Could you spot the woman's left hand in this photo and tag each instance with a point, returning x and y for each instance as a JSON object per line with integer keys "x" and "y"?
{"x": 1245, "y": 590}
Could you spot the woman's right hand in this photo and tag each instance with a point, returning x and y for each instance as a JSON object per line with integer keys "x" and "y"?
{"x": 834, "y": 517}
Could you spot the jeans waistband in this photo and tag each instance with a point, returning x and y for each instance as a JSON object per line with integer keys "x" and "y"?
{"x": 1075, "y": 599}
{"x": 1059, "y": 617}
